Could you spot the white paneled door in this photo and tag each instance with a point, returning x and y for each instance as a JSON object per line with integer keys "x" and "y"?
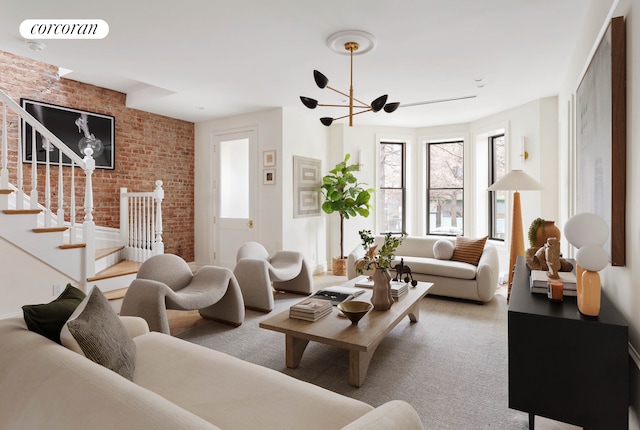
{"x": 234, "y": 188}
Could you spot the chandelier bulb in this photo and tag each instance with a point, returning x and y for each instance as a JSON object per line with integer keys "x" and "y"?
{"x": 326, "y": 121}
{"x": 309, "y": 102}
{"x": 378, "y": 103}
{"x": 391, "y": 107}
{"x": 321, "y": 80}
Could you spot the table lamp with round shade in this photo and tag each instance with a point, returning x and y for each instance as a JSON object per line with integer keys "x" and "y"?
{"x": 588, "y": 232}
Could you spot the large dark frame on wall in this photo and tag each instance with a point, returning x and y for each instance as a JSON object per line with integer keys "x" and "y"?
{"x": 62, "y": 122}
{"x": 601, "y": 138}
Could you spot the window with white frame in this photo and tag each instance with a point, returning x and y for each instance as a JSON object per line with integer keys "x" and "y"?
{"x": 391, "y": 209}
{"x": 497, "y": 205}
{"x": 445, "y": 187}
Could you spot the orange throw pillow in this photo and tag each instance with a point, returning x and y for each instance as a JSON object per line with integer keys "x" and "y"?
{"x": 468, "y": 250}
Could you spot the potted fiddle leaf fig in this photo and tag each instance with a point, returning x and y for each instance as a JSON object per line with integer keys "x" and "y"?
{"x": 346, "y": 196}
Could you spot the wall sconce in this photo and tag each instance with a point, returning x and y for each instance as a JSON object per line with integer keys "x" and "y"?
{"x": 523, "y": 151}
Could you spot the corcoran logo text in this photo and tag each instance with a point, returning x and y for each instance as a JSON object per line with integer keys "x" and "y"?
{"x": 64, "y": 29}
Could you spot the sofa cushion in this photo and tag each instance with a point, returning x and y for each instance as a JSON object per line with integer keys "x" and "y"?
{"x": 443, "y": 249}
{"x": 435, "y": 267}
{"x": 47, "y": 319}
{"x": 95, "y": 330}
{"x": 468, "y": 250}
{"x": 235, "y": 394}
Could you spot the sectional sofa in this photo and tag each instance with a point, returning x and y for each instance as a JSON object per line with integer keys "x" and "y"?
{"x": 175, "y": 385}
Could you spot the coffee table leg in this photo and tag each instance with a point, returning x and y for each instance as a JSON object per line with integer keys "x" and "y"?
{"x": 294, "y": 349}
{"x": 359, "y": 365}
{"x": 414, "y": 312}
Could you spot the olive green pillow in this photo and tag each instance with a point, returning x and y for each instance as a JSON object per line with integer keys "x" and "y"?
{"x": 468, "y": 250}
{"x": 47, "y": 319}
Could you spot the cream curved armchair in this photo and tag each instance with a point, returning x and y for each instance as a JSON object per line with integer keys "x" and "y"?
{"x": 258, "y": 275}
{"x": 166, "y": 282}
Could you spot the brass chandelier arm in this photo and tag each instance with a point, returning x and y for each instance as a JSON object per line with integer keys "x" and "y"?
{"x": 346, "y": 95}
{"x": 354, "y": 114}
{"x": 355, "y": 106}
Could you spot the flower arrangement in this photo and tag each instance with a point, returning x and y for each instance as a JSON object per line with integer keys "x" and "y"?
{"x": 384, "y": 257}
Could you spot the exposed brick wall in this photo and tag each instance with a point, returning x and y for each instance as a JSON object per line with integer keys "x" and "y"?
{"x": 147, "y": 147}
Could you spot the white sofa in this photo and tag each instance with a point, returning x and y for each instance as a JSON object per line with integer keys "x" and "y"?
{"x": 176, "y": 385}
{"x": 450, "y": 278}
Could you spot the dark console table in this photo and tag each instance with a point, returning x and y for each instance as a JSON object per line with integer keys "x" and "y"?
{"x": 564, "y": 365}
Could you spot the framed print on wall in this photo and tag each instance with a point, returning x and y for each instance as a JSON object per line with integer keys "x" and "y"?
{"x": 269, "y": 158}
{"x": 601, "y": 138}
{"x": 269, "y": 176}
{"x": 306, "y": 179}
{"x": 73, "y": 127}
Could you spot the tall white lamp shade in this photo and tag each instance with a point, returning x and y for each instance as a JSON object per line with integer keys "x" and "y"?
{"x": 515, "y": 180}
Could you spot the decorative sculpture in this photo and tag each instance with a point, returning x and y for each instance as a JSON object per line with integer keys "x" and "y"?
{"x": 401, "y": 269}
{"x": 538, "y": 258}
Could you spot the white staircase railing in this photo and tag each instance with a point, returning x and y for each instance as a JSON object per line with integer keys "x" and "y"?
{"x": 12, "y": 155}
{"x": 141, "y": 223}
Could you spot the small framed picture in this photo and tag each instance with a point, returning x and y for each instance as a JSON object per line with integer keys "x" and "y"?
{"x": 269, "y": 176}
{"x": 269, "y": 158}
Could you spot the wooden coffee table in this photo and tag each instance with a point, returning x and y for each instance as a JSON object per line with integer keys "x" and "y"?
{"x": 360, "y": 340}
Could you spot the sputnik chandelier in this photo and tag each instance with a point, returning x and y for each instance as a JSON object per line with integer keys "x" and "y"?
{"x": 351, "y": 41}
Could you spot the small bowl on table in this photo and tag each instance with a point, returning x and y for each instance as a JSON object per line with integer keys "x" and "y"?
{"x": 355, "y": 310}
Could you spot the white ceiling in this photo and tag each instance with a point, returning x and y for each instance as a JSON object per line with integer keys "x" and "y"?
{"x": 203, "y": 59}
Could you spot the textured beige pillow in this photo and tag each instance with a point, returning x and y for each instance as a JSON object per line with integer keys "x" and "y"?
{"x": 468, "y": 250}
{"x": 443, "y": 249}
{"x": 95, "y": 331}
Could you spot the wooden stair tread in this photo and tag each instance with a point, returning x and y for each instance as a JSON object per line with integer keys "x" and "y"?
{"x": 116, "y": 294}
{"x": 21, "y": 211}
{"x": 73, "y": 245}
{"x": 48, "y": 229}
{"x": 5, "y": 191}
{"x": 103, "y": 252}
{"x": 122, "y": 268}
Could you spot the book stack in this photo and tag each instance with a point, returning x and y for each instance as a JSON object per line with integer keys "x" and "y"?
{"x": 337, "y": 294}
{"x": 363, "y": 282}
{"x": 311, "y": 309}
{"x": 539, "y": 278}
{"x": 399, "y": 289}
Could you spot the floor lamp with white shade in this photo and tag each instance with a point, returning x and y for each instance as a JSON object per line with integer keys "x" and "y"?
{"x": 515, "y": 180}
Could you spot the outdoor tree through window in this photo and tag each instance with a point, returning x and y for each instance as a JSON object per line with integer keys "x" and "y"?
{"x": 391, "y": 193}
{"x": 497, "y": 207}
{"x": 445, "y": 188}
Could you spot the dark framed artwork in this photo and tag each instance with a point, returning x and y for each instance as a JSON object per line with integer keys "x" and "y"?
{"x": 306, "y": 181}
{"x": 601, "y": 138}
{"x": 75, "y": 128}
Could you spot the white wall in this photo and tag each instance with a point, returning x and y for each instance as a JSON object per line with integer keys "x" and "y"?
{"x": 303, "y": 136}
{"x": 619, "y": 283}
{"x": 31, "y": 283}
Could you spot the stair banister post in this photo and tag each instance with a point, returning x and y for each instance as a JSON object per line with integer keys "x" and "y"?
{"x": 34, "y": 172}
{"x": 47, "y": 185}
{"x": 124, "y": 216}
{"x": 4, "y": 174}
{"x": 89, "y": 227}
{"x": 60, "y": 213}
{"x": 159, "y": 196}
{"x": 72, "y": 206}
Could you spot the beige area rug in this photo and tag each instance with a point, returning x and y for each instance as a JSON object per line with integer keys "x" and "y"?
{"x": 451, "y": 365}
